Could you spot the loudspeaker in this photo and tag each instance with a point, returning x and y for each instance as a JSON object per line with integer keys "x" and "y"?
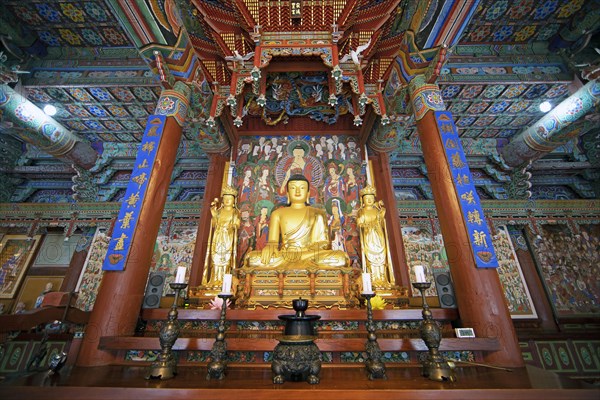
{"x": 445, "y": 291}
{"x": 154, "y": 290}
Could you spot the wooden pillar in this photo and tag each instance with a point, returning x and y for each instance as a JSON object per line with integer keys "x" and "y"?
{"x": 121, "y": 292}
{"x": 214, "y": 179}
{"x": 385, "y": 191}
{"x": 479, "y": 293}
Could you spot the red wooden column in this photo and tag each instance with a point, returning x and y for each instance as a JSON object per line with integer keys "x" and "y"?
{"x": 479, "y": 294}
{"x": 121, "y": 293}
{"x": 214, "y": 179}
{"x": 382, "y": 175}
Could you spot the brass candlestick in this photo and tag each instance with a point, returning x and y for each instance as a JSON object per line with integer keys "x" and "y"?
{"x": 165, "y": 367}
{"x": 435, "y": 366}
{"x": 218, "y": 354}
{"x": 375, "y": 367}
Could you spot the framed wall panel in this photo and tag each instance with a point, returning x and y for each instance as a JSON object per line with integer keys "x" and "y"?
{"x": 16, "y": 252}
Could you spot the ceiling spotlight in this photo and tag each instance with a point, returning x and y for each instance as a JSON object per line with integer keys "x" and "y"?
{"x": 545, "y": 106}
{"x": 49, "y": 110}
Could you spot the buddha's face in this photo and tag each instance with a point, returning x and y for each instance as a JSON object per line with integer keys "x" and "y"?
{"x": 298, "y": 152}
{"x": 228, "y": 200}
{"x": 298, "y": 191}
{"x": 369, "y": 199}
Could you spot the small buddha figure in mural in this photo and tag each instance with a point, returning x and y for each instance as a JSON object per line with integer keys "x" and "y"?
{"x": 303, "y": 232}
{"x": 220, "y": 259}
{"x": 373, "y": 239}
{"x": 47, "y": 289}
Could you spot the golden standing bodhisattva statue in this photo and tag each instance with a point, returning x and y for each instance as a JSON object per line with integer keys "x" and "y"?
{"x": 303, "y": 232}
{"x": 373, "y": 239}
{"x": 220, "y": 259}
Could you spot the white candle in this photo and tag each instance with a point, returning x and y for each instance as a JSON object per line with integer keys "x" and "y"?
{"x": 180, "y": 276}
{"x": 366, "y": 280}
{"x": 230, "y": 173}
{"x": 419, "y": 273}
{"x": 226, "y": 289}
{"x": 368, "y": 168}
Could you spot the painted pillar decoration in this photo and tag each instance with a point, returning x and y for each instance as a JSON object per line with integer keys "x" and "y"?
{"x": 479, "y": 294}
{"x": 120, "y": 244}
{"x": 472, "y": 212}
{"x": 42, "y": 131}
{"x": 130, "y": 250}
{"x": 551, "y": 130}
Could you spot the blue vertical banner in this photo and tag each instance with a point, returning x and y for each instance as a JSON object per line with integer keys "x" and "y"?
{"x": 119, "y": 247}
{"x": 479, "y": 234}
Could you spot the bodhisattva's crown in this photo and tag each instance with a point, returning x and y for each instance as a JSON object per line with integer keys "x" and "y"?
{"x": 229, "y": 190}
{"x": 368, "y": 190}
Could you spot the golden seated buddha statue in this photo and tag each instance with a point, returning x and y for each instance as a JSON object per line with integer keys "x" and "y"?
{"x": 303, "y": 232}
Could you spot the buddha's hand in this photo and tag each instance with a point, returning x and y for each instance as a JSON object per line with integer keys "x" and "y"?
{"x": 268, "y": 252}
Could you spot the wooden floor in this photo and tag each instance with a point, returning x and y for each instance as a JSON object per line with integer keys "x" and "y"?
{"x": 337, "y": 383}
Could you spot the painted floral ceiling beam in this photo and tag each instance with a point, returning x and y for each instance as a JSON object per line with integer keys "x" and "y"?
{"x": 35, "y": 127}
{"x": 553, "y": 129}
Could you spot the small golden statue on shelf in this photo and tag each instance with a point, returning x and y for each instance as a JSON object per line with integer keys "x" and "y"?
{"x": 376, "y": 258}
{"x": 303, "y": 232}
{"x": 221, "y": 254}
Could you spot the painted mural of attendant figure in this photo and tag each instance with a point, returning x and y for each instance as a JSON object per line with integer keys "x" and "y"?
{"x": 373, "y": 239}
{"x": 264, "y": 188}
{"x": 336, "y": 226}
{"x": 247, "y": 237}
{"x": 334, "y": 184}
{"x": 246, "y": 185}
{"x": 352, "y": 187}
{"x": 220, "y": 259}
{"x": 262, "y": 228}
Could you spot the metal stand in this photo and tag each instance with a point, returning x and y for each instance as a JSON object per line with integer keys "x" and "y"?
{"x": 435, "y": 366}
{"x": 375, "y": 367}
{"x": 165, "y": 367}
{"x": 218, "y": 354}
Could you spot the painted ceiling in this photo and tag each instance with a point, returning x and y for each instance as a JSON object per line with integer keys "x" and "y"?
{"x": 94, "y": 60}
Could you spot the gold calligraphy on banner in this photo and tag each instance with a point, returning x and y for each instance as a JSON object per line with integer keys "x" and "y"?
{"x": 132, "y": 200}
{"x": 148, "y": 147}
{"x": 451, "y": 144}
{"x": 462, "y": 179}
{"x": 468, "y": 197}
{"x": 474, "y": 217}
{"x": 126, "y": 220}
{"x": 120, "y": 245}
{"x": 144, "y": 164}
{"x": 140, "y": 179}
{"x": 446, "y": 128}
{"x": 480, "y": 238}
{"x": 152, "y": 131}
{"x": 457, "y": 162}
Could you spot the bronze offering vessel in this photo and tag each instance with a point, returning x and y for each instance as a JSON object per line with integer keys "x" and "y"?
{"x": 296, "y": 357}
